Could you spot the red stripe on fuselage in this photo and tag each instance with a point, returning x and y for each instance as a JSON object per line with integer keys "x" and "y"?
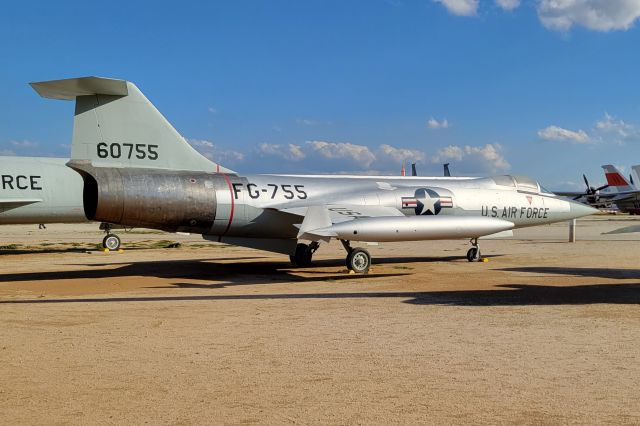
{"x": 233, "y": 204}
{"x": 614, "y": 179}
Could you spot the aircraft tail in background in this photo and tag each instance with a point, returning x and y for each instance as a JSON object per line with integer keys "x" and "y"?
{"x": 616, "y": 180}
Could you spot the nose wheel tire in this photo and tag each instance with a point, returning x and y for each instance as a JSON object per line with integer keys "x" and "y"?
{"x": 359, "y": 260}
{"x": 473, "y": 255}
{"x": 111, "y": 242}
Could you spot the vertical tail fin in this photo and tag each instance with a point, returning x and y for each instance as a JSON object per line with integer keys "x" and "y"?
{"x": 616, "y": 179}
{"x": 115, "y": 125}
{"x": 636, "y": 170}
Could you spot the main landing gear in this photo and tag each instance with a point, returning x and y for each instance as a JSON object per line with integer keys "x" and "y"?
{"x": 304, "y": 253}
{"x": 110, "y": 241}
{"x": 358, "y": 259}
{"x": 473, "y": 255}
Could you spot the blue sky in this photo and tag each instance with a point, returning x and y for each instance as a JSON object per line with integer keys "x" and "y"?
{"x": 539, "y": 87}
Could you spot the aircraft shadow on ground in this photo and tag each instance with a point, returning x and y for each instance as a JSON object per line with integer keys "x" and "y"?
{"x": 264, "y": 272}
{"x": 211, "y": 270}
{"x": 6, "y": 252}
{"x": 54, "y": 250}
{"x": 613, "y": 273}
{"x": 222, "y": 274}
{"x": 505, "y": 295}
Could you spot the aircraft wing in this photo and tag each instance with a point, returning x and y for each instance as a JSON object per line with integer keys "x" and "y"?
{"x": 621, "y": 196}
{"x": 319, "y": 217}
{"x": 14, "y": 203}
{"x": 338, "y": 213}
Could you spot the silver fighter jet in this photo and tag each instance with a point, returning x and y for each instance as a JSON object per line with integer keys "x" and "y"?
{"x": 139, "y": 171}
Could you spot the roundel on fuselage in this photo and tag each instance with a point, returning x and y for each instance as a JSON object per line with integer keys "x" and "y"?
{"x": 427, "y": 202}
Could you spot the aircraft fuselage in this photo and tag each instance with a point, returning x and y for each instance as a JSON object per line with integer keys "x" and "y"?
{"x": 39, "y": 190}
{"x": 246, "y": 206}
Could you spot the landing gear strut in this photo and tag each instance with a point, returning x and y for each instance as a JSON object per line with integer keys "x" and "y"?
{"x": 473, "y": 255}
{"x": 358, "y": 259}
{"x": 304, "y": 253}
{"x": 110, "y": 241}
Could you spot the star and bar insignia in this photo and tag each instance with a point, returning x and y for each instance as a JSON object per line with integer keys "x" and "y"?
{"x": 427, "y": 202}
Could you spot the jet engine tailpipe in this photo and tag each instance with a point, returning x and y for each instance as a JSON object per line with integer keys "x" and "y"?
{"x": 175, "y": 201}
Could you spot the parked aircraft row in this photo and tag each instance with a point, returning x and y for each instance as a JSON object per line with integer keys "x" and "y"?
{"x": 618, "y": 191}
{"x": 131, "y": 168}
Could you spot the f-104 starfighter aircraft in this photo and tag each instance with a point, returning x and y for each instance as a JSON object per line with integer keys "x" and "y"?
{"x": 139, "y": 171}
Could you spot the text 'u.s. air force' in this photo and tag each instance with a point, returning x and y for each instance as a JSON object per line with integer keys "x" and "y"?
{"x": 510, "y": 212}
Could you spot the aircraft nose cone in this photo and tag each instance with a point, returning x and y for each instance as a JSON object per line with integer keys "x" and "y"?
{"x": 579, "y": 210}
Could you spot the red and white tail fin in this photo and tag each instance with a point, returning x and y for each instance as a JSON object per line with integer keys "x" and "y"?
{"x": 636, "y": 169}
{"x": 615, "y": 179}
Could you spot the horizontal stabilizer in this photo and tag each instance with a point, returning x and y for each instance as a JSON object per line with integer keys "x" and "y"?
{"x": 116, "y": 126}
{"x": 70, "y": 88}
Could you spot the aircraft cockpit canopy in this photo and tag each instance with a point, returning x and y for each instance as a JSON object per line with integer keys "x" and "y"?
{"x": 523, "y": 183}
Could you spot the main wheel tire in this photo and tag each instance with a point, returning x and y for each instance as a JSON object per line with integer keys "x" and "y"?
{"x": 302, "y": 256}
{"x": 111, "y": 242}
{"x": 359, "y": 260}
{"x": 473, "y": 255}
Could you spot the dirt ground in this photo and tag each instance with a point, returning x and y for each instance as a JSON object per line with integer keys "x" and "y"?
{"x": 544, "y": 332}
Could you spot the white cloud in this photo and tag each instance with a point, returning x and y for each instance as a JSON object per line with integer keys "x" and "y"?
{"x": 434, "y": 124}
{"x": 598, "y": 15}
{"x": 609, "y": 129}
{"x": 609, "y": 125}
{"x": 215, "y": 154}
{"x": 358, "y": 153}
{"x": 7, "y": 152}
{"x": 460, "y": 7}
{"x": 400, "y": 155}
{"x": 24, "y": 144}
{"x": 451, "y": 152}
{"x": 488, "y": 158}
{"x": 201, "y": 143}
{"x": 212, "y": 110}
{"x": 288, "y": 151}
{"x": 508, "y": 4}
{"x": 225, "y": 156}
{"x": 558, "y": 134}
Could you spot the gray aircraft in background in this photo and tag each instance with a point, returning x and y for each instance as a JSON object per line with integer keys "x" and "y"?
{"x": 40, "y": 190}
{"x": 139, "y": 171}
{"x": 617, "y": 192}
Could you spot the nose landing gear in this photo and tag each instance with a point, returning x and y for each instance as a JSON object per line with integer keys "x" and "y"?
{"x": 110, "y": 241}
{"x": 473, "y": 255}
